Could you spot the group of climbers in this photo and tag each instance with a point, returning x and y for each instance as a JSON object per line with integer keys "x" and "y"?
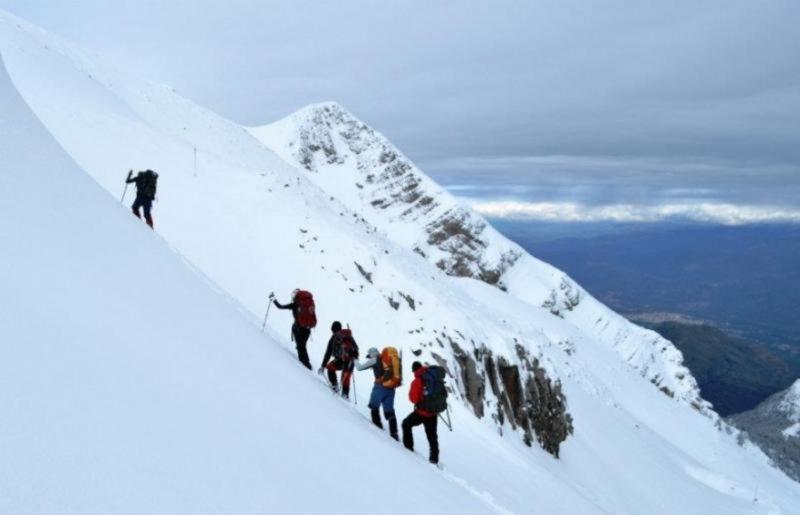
{"x": 427, "y": 392}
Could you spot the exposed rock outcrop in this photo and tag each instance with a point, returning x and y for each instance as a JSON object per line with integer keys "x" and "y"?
{"x": 520, "y": 393}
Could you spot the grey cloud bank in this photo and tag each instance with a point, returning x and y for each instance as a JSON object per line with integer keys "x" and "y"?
{"x": 586, "y": 103}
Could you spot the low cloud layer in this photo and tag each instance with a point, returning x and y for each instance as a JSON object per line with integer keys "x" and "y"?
{"x": 725, "y": 214}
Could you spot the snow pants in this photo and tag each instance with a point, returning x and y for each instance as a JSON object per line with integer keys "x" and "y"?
{"x": 300, "y": 336}
{"x": 382, "y": 396}
{"x": 347, "y": 372}
{"x": 430, "y": 424}
{"x": 145, "y": 203}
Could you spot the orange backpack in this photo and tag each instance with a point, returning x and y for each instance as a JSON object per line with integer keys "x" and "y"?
{"x": 392, "y": 367}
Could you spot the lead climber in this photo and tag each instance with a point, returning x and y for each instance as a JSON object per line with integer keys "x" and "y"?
{"x": 146, "y": 184}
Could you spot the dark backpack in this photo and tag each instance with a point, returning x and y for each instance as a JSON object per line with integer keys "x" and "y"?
{"x": 434, "y": 393}
{"x": 345, "y": 347}
{"x": 305, "y": 315}
{"x": 149, "y": 184}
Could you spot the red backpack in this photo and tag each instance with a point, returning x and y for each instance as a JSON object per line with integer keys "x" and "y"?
{"x": 306, "y": 314}
{"x": 345, "y": 347}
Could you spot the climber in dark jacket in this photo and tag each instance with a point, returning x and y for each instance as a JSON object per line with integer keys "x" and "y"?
{"x": 343, "y": 361}
{"x": 300, "y": 334}
{"x": 145, "y": 193}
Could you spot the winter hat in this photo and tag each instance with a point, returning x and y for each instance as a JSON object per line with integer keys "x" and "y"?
{"x": 373, "y": 352}
{"x": 416, "y": 366}
{"x": 336, "y": 327}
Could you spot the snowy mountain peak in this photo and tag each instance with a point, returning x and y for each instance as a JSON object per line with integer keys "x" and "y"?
{"x": 329, "y": 108}
{"x": 359, "y": 165}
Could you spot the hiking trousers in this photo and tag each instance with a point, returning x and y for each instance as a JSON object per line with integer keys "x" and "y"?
{"x": 347, "y": 372}
{"x": 430, "y": 424}
{"x": 300, "y": 336}
{"x": 145, "y": 203}
{"x": 382, "y": 396}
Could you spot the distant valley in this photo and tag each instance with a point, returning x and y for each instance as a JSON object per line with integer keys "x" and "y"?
{"x": 726, "y": 296}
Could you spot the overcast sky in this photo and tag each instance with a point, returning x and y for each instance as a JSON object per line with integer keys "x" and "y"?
{"x": 589, "y": 104}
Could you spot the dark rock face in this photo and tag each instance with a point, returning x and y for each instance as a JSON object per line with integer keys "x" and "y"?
{"x": 473, "y": 381}
{"x": 535, "y": 404}
{"x": 459, "y": 233}
{"x": 521, "y": 392}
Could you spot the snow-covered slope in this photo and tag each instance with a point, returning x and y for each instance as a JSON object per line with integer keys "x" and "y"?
{"x": 360, "y": 166}
{"x": 775, "y": 426}
{"x": 254, "y": 223}
{"x": 119, "y": 395}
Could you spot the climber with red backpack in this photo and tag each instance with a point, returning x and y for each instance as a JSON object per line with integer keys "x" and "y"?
{"x": 388, "y": 370}
{"x": 428, "y": 394}
{"x": 342, "y": 347}
{"x": 305, "y": 319}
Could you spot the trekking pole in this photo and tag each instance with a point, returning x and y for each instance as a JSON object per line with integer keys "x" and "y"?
{"x": 355, "y": 391}
{"x": 447, "y": 422}
{"x": 122, "y": 200}
{"x": 269, "y": 305}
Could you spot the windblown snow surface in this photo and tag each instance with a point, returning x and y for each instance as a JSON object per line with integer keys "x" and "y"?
{"x": 130, "y": 385}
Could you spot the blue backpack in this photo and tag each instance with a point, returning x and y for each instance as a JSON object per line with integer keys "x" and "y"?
{"x": 435, "y": 392}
